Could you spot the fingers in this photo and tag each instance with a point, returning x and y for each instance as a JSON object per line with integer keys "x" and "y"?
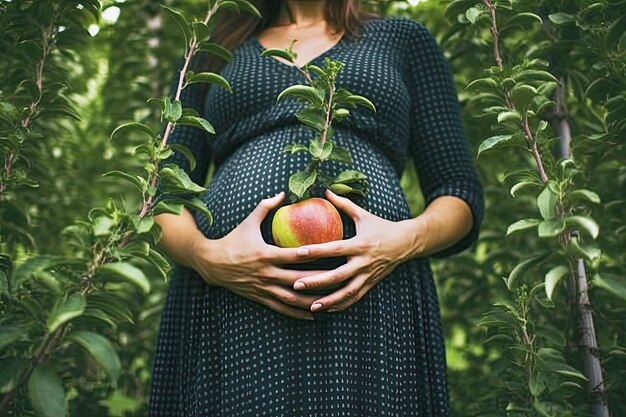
{"x": 328, "y": 278}
{"x": 287, "y": 276}
{"x": 265, "y": 206}
{"x": 282, "y": 308}
{"x": 345, "y": 247}
{"x": 353, "y": 210}
{"x": 275, "y": 303}
{"x": 290, "y": 297}
{"x": 278, "y": 255}
{"x": 344, "y": 297}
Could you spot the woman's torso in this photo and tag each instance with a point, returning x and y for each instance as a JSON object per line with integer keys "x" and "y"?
{"x": 252, "y": 128}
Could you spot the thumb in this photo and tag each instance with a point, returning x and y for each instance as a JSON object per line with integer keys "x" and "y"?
{"x": 264, "y": 207}
{"x": 353, "y": 210}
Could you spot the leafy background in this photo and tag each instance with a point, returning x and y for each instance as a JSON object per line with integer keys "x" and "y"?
{"x": 513, "y": 348}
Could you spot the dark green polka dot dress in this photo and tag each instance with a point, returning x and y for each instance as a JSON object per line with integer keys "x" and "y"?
{"x": 220, "y": 354}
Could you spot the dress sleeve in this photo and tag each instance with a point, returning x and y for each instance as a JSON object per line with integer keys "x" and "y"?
{"x": 195, "y": 139}
{"x": 438, "y": 143}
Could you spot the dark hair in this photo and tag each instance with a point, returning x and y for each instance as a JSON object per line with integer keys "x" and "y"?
{"x": 231, "y": 28}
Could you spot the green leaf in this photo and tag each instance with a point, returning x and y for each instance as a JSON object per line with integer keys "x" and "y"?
{"x": 340, "y": 189}
{"x": 142, "y": 225}
{"x": 160, "y": 263}
{"x": 46, "y": 392}
{"x": 318, "y": 150}
{"x": 546, "y": 201}
{"x": 196, "y": 122}
{"x": 586, "y": 224}
{"x": 246, "y": 6}
{"x": 9, "y": 335}
{"x": 133, "y": 126}
{"x": 210, "y": 77}
{"x": 65, "y": 310}
{"x": 356, "y": 100}
{"x": 102, "y": 225}
{"x": 127, "y": 177}
{"x": 537, "y": 383}
{"x": 612, "y": 283}
{"x": 173, "y": 110}
{"x": 551, "y": 228}
{"x": 10, "y": 370}
{"x": 304, "y": 92}
{"x": 112, "y": 305}
{"x": 301, "y": 181}
{"x": 509, "y": 116}
{"x": 198, "y": 204}
{"x": 172, "y": 174}
{"x": 102, "y": 351}
{"x": 561, "y": 18}
{"x": 340, "y": 114}
{"x": 218, "y": 50}
{"x": 524, "y": 16}
{"x": 181, "y": 21}
{"x": 523, "y": 95}
{"x": 168, "y": 206}
{"x": 473, "y": 14}
{"x": 521, "y": 225}
{"x": 282, "y": 53}
{"x": 483, "y": 83}
{"x": 315, "y": 118}
{"x": 229, "y": 5}
{"x": 583, "y": 194}
{"x": 615, "y": 32}
{"x": 493, "y": 142}
{"x": 295, "y": 147}
{"x": 522, "y": 268}
{"x": 201, "y": 31}
{"x": 186, "y": 152}
{"x": 348, "y": 176}
{"x": 553, "y": 360}
{"x": 589, "y": 252}
{"x": 340, "y": 154}
{"x": 521, "y": 185}
{"x": 532, "y": 75}
{"x": 129, "y": 273}
{"x": 553, "y": 277}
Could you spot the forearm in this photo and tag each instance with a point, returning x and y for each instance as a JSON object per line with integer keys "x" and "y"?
{"x": 180, "y": 235}
{"x": 446, "y": 220}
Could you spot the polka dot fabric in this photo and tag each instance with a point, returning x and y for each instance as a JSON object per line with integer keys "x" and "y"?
{"x": 220, "y": 354}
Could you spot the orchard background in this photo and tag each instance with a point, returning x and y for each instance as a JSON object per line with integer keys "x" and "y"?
{"x": 534, "y": 312}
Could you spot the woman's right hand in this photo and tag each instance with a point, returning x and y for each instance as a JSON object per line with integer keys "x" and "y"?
{"x": 242, "y": 262}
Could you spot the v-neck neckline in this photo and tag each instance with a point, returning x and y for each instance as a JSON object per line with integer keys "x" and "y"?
{"x": 337, "y": 46}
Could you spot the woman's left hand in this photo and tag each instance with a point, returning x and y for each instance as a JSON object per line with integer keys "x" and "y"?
{"x": 378, "y": 247}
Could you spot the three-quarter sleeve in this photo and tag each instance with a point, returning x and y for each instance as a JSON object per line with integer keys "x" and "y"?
{"x": 438, "y": 144}
{"x": 194, "y": 138}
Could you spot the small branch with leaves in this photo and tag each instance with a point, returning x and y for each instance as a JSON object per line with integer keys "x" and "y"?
{"x": 325, "y": 104}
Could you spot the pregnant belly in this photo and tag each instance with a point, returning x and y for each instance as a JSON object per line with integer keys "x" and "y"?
{"x": 258, "y": 169}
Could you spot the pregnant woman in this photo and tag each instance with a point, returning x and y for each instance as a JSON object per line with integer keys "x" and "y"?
{"x": 238, "y": 337}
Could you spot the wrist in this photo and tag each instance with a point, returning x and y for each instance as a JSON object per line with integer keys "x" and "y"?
{"x": 198, "y": 249}
{"x": 417, "y": 232}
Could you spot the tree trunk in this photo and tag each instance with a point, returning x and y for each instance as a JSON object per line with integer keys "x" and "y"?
{"x": 580, "y": 298}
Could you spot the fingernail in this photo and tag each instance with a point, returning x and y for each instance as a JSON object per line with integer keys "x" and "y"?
{"x": 316, "y": 307}
{"x": 302, "y": 251}
{"x": 299, "y": 286}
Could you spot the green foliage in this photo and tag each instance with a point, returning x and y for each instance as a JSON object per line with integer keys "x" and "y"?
{"x": 322, "y": 98}
{"x": 549, "y": 212}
